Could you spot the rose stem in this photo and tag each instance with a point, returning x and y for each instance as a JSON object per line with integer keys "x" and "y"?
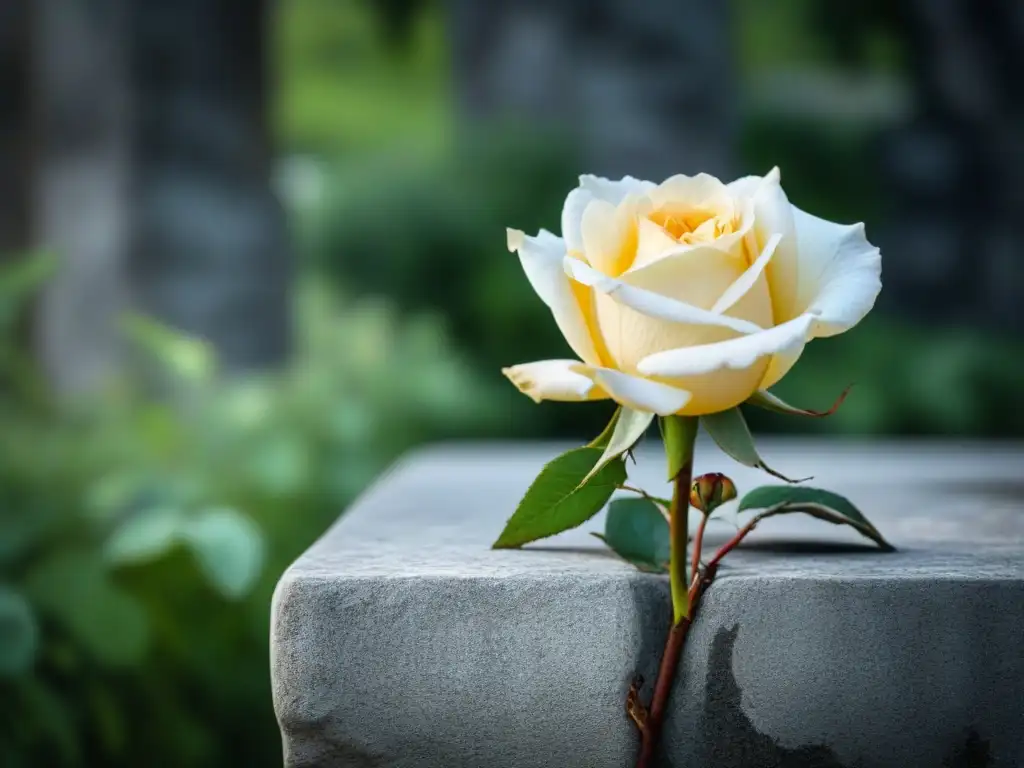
{"x": 680, "y": 435}
{"x": 732, "y": 543}
{"x": 651, "y": 731}
{"x": 698, "y": 544}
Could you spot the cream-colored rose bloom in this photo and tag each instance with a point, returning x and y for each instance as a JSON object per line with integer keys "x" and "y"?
{"x": 689, "y": 296}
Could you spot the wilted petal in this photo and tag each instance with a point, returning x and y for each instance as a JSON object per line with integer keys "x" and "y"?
{"x": 554, "y": 380}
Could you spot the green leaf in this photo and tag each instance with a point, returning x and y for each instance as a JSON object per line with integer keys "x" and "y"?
{"x": 556, "y": 502}
{"x": 729, "y": 429}
{"x": 637, "y": 531}
{"x": 768, "y": 401}
{"x": 606, "y": 434}
{"x": 74, "y": 588}
{"x": 143, "y": 537}
{"x": 629, "y": 428}
{"x": 822, "y": 504}
{"x": 19, "y": 633}
{"x": 678, "y": 434}
{"x": 229, "y": 548}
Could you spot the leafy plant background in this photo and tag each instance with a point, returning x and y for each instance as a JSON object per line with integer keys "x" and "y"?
{"x": 140, "y": 538}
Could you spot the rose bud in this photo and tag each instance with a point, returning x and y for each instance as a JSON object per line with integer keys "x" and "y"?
{"x": 711, "y": 491}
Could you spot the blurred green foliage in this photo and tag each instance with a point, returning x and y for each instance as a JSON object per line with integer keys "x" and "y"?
{"x": 140, "y": 538}
{"x": 355, "y": 74}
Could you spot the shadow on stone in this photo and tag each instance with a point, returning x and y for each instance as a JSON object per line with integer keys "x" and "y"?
{"x": 975, "y": 753}
{"x": 596, "y": 551}
{"x": 783, "y": 546}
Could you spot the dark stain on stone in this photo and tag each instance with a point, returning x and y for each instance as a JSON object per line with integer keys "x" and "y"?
{"x": 731, "y": 741}
{"x": 975, "y": 753}
{"x": 730, "y": 738}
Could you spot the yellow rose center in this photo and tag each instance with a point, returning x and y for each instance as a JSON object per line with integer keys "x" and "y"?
{"x": 692, "y": 225}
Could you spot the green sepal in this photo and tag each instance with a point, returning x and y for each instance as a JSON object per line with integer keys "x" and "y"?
{"x": 629, "y": 428}
{"x": 768, "y": 401}
{"x": 730, "y": 431}
{"x": 606, "y": 434}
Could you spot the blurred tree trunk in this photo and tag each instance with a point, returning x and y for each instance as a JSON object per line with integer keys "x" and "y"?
{"x": 153, "y": 180}
{"x": 953, "y": 172}
{"x": 209, "y": 246}
{"x": 646, "y": 89}
{"x": 15, "y": 128}
{"x": 81, "y": 205}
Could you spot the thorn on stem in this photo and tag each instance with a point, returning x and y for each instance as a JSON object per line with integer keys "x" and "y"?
{"x": 634, "y": 708}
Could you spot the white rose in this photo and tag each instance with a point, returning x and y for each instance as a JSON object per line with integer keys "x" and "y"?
{"x": 689, "y": 296}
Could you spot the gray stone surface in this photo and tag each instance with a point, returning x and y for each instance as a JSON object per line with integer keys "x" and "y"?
{"x": 400, "y": 639}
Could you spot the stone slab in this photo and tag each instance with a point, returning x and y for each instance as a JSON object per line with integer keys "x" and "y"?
{"x": 401, "y": 639}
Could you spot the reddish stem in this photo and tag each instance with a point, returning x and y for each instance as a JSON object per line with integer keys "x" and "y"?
{"x": 732, "y": 543}
{"x": 650, "y": 734}
{"x": 698, "y": 545}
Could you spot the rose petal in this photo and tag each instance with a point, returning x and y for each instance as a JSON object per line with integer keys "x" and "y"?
{"x": 723, "y": 374}
{"x": 773, "y": 215}
{"x": 595, "y": 188}
{"x": 736, "y": 354}
{"x": 609, "y": 236}
{"x": 553, "y": 380}
{"x": 576, "y": 203}
{"x": 781, "y": 364}
{"x": 652, "y": 304}
{"x": 638, "y": 393}
{"x": 542, "y": 258}
{"x": 748, "y": 279}
{"x": 615, "y": 191}
{"x": 840, "y": 273}
{"x": 700, "y": 191}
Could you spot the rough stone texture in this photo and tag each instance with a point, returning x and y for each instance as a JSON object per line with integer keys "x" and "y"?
{"x": 400, "y": 639}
